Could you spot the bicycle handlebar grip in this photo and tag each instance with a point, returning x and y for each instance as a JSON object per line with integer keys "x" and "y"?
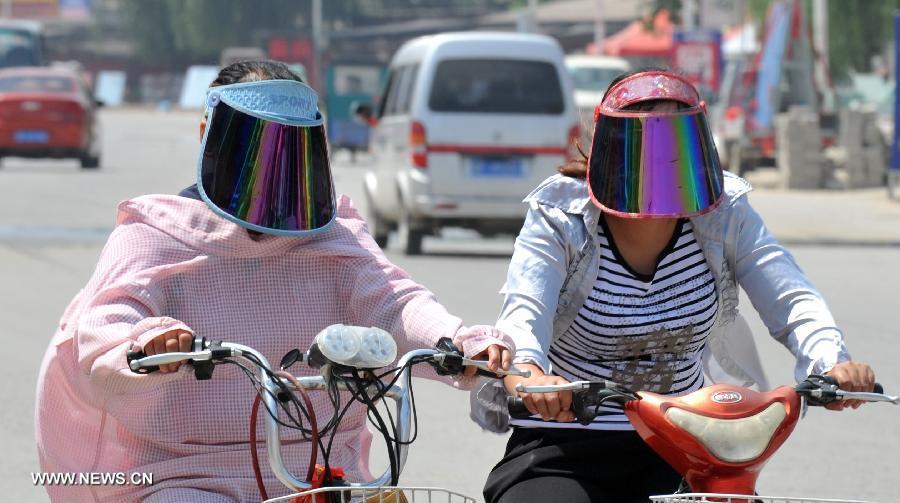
{"x": 137, "y": 354}
{"x": 516, "y": 408}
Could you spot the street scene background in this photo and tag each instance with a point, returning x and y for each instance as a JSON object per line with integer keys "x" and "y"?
{"x": 56, "y": 219}
{"x": 801, "y": 102}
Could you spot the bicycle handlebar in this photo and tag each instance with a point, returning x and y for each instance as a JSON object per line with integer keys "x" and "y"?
{"x": 139, "y": 362}
{"x": 516, "y": 408}
{"x": 399, "y": 392}
{"x": 817, "y": 390}
{"x": 152, "y": 363}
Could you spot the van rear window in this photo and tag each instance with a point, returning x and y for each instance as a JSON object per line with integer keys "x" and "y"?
{"x": 496, "y": 86}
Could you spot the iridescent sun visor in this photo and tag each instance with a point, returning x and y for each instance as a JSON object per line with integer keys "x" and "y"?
{"x": 264, "y": 161}
{"x": 651, "y": 164}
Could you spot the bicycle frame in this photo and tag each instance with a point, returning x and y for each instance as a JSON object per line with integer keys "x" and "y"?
{"x": 399, "y": 392}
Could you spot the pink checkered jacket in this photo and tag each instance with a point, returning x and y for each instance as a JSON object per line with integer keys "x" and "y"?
{"x": 171, "y": 263}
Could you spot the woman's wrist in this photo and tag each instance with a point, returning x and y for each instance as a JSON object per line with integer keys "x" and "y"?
{"x": 509, "y": 382}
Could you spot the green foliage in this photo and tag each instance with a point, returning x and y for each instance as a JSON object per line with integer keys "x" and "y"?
{"x": 173, "y": 31}
{"x": 176, "y": 32}
{"x": 673, "y": 6}
{"x": 858, "y": 30}
{"x": 757, "y": 9}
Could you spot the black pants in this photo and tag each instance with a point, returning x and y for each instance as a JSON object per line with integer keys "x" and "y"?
{"x": 576, "y": 466}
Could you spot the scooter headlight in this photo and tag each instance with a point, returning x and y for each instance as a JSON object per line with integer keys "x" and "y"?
{"x": 732, "y": 440}
{"x": 359, "y": 347}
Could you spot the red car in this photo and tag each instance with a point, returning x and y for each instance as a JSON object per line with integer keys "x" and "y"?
{"x": 48, "y": 112}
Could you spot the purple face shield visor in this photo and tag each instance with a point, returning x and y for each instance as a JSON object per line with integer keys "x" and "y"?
{"x": 647, "y": 164}
{"x": 263, "y": 163}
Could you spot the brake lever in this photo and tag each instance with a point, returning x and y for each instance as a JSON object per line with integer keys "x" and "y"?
{"x": 485, "y": 370}
{"x": 821, "y": 390}
{"x": 868, "y": 397}
{"x": 202, "y": 358}
{"x": 450, "y": 361}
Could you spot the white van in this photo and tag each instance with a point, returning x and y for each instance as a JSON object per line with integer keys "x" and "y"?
{"x": 591, "y": 75}
{"x": 469, "y": 123}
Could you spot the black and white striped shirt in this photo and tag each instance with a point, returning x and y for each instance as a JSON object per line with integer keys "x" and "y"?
{"x": 646, "y": 332}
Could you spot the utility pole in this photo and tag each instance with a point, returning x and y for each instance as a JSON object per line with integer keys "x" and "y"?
{"x": 689, "y": 14}
{"x": 317, "y": 44}
{"x": 526, "y": 19}
{"x": 599, "y": 26}
{"x": 821, "y": 68}
{"x": 820, "y": 27}
{"x": 533, "y": 17}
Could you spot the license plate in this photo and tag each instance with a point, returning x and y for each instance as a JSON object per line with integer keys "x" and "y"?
{"x": 496, "y": 168}
{"x": 29, "y": 136}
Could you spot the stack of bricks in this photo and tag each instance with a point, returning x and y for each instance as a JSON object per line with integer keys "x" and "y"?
{"x": 798, "y": 149}
{"x": 866, "y": 163}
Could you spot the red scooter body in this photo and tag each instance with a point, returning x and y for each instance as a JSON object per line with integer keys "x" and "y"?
{"x": 718, "y": 437}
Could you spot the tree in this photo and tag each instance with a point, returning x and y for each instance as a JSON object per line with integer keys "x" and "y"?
{"x": 857, "y": 31}
{"x": 177, "y": 31}
{"x": 674, "y": 7}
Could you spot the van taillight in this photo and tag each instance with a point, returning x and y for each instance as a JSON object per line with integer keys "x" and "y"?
{"x": 418, "y": 147}
{"x": 572, "y": 144}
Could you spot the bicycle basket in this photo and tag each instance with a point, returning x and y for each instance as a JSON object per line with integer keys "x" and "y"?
{"x": 737, "y": 498}
{"x": 375, "y": 495}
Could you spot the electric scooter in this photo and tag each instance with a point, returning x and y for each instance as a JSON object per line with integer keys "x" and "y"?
{"x": 718, "y": 438}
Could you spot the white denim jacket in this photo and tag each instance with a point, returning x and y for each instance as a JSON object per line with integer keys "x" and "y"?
{"x": 552, "y": 273}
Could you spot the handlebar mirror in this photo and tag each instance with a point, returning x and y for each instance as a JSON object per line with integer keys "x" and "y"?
{"x": 290, "y": 358}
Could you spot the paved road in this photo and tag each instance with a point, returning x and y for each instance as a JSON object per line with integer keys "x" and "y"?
{"x": 55, "y": 218}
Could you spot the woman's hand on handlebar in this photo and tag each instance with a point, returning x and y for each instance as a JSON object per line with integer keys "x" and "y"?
{"x": 551, "y": 406}
{"x": 851, "y": 376}
{"x": 170, "y": 342}
{"x": 497, "y": 356}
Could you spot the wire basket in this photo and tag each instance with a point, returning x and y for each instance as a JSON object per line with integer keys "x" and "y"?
{"x": 738, "y": 498}
{"x": 375, "y": 495}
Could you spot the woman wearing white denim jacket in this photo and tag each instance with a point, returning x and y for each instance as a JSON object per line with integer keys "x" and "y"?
{"x": 553, "y": 278}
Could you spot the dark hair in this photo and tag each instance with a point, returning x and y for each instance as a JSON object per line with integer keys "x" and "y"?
{"x": 577, "y": 168}
{"x": 254, "y": 70}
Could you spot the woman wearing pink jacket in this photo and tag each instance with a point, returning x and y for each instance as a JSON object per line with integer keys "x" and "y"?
{"x": 260, "y": 253}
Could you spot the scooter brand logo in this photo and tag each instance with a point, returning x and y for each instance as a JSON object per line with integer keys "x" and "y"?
{"x": 727, "y": 397}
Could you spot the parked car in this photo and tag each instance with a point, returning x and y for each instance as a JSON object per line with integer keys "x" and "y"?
{"x": 591, "y": 76}
{"x": 48, "y": 112}
{"x": 468, "y": 124}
